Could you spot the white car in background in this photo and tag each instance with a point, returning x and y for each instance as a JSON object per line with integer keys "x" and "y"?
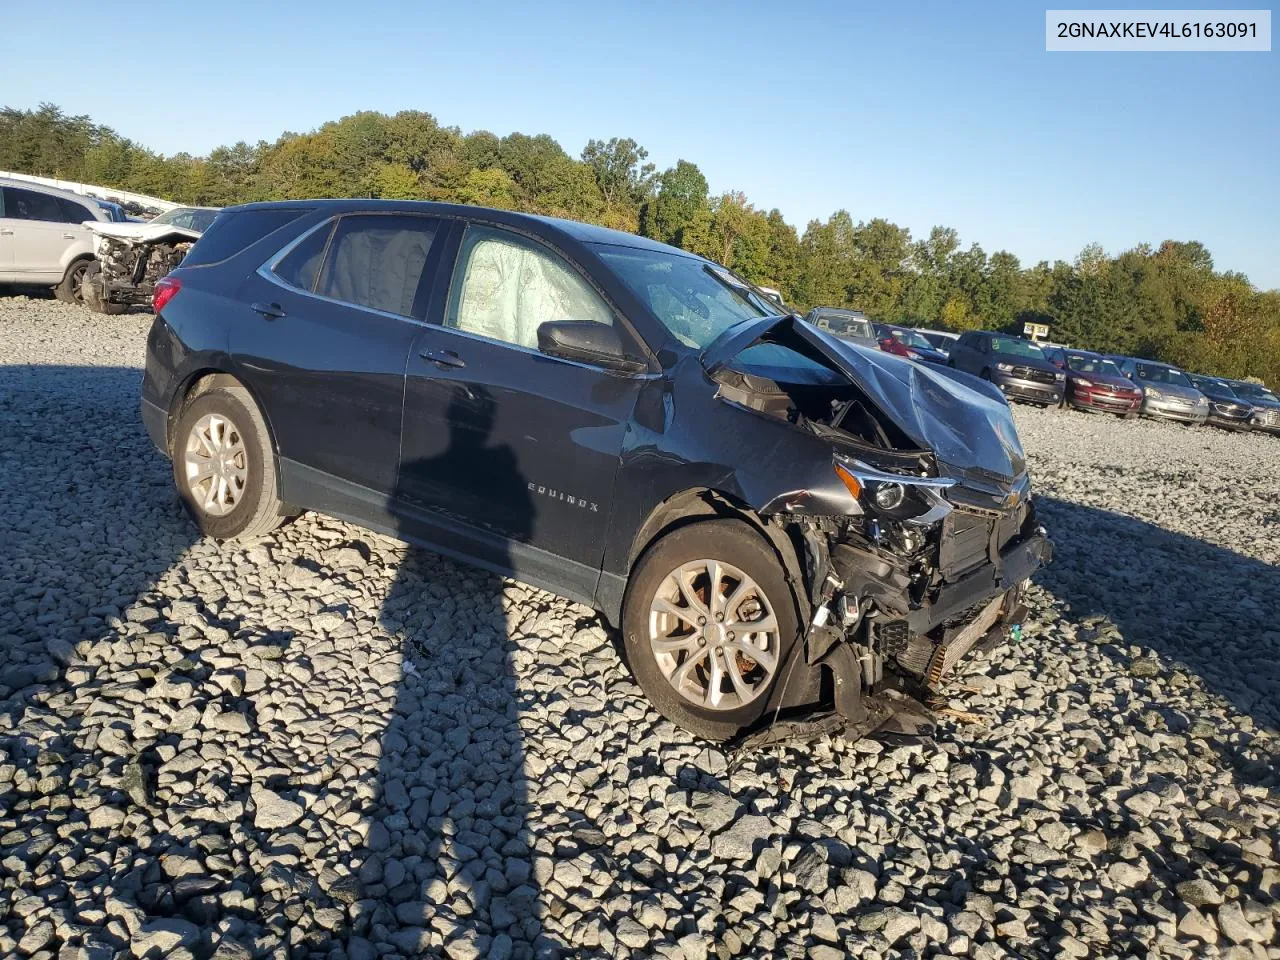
{"x": 132, "y": 256}
{"x": 43, "y": 237}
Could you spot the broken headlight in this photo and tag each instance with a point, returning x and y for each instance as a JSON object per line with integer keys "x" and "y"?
{"x": 916, "y": 501}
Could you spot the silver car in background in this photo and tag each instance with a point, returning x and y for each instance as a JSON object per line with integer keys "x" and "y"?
{"x": 1167, "y": 392}
{"x": 42, "y": 238}
{"x": 851, "y": 325}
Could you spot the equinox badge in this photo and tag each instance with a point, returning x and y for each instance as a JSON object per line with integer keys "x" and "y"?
{"x": 568, "y": 498}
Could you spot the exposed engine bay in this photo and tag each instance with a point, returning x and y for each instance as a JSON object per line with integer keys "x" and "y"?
{"x": 918, "y": 543}
{"x": 131, "y": 258}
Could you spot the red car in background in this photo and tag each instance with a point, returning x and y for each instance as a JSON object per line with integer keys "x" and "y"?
{"x": 1095, "y": 383}
{"x": 905, "y": 342}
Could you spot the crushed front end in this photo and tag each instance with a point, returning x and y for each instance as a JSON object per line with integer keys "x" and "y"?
{"x": 916, "y": 526}
{"x": 130, "y": 268}
{"x": 131, "y": 258}
{"x": 929, "y": 569}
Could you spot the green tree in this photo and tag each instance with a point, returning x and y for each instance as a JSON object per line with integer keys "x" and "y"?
{"x": 681, "y": 197}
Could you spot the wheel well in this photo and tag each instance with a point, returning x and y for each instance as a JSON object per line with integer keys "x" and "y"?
{"x": 85, "y": 258}
{"x": 202, "y": 381}
{"x": 691, "y": 506}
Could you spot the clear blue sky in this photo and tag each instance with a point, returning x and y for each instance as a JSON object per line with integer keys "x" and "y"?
{"x": 924, "y": 114}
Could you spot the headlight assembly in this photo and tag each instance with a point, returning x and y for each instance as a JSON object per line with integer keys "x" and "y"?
{"x": 912, "y": 500}
{"x": 1006, "y": 367}
{"x": 1153, "y": 392}
{"x": 888, "y": 496}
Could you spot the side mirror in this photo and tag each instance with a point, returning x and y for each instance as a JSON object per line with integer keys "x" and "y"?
{"x": 587, "y": 341}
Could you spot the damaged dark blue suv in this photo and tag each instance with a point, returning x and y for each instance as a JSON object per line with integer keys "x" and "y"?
{"x": 772, "y": 516}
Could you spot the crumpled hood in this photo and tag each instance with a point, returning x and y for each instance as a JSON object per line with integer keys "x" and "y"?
{"x": 970, "y": 431}
{"x": 143, "y": 232}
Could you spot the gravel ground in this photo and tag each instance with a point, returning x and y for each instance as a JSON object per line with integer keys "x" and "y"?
{"x": 325, "y": 743}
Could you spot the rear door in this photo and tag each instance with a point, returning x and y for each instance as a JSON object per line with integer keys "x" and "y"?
{"x": 329, "y": 325}
{"x": 519, "y": 446}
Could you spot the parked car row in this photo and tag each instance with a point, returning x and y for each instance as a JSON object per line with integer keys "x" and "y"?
{"x": 89, "y": 250}
{"x": 1053, "y": 375}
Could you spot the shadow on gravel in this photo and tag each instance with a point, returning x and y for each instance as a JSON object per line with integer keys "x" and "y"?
{"x": 1187, "y": 600}
{"x": 88, "y": 517}
{"x": 451, "y": 859}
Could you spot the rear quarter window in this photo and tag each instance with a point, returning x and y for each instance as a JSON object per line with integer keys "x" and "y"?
{"x": 236, "y": 230}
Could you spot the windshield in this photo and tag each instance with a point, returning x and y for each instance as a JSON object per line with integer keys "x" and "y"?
{"x": 1257, "y": 391}
{"x": 189, "y": 218}
{"x": 693, "y": 299}
{"x": 1083, "y": 364}
{"x": 1016, "y": 348}
{"x": 912, "y": 339}
{"x": 1217, "y": 386}
{"x": 203, "y": 219}
{"x": 1152, "y": 373}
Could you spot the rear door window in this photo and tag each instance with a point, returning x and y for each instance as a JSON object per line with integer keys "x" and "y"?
{"x": 300, "y": 267}
{"x": 379, "y": 261}
{"x": 72, "y": 212}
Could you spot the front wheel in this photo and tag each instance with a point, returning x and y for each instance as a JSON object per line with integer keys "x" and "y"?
{"x": 224, "y": 467}
{"x": 93, "y": 291}
{"x": 709, "y": 624}
{"x": 71, "y": 289}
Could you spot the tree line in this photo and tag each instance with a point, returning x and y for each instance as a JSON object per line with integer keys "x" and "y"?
{"x": 1166, "y": 301}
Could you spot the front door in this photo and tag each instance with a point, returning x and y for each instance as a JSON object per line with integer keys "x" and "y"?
{"x": 519, "y": 447}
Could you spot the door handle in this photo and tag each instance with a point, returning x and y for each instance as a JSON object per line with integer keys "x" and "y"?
{"x": 444, "y": 358}
{"x": 269, "y": 311}
{"x": 6, "y": 233}
{"x": 69, "y": 236}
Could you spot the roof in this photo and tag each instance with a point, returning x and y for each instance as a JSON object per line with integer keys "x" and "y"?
{"x": 581, "y": 232}
{"x": 79, "y": 198}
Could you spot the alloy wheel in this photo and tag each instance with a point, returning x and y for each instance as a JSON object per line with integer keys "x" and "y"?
{"x": 77, "y": 282}
{"x": 217, "y": 464}
{"x": 714, "y": 635}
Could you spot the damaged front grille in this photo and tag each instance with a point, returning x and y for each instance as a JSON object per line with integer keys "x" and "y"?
{"x": 132, "y": 269}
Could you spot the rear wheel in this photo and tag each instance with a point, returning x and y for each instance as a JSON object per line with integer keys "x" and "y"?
{"x": 709, "y": 624}
{"x": 71, "y": 289}
{"x": 224, "y": 467}
{"x": 94, "y": 291}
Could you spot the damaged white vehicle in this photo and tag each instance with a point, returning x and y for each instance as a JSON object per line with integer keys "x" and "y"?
{"x": 132, "y": 256}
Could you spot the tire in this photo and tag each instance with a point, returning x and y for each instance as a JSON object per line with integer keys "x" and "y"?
{"x": 70, "y": 289}
{"x": 250, "y": 506}
{"x": 93, "y": 296}
{"x": 741, "y": 553}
